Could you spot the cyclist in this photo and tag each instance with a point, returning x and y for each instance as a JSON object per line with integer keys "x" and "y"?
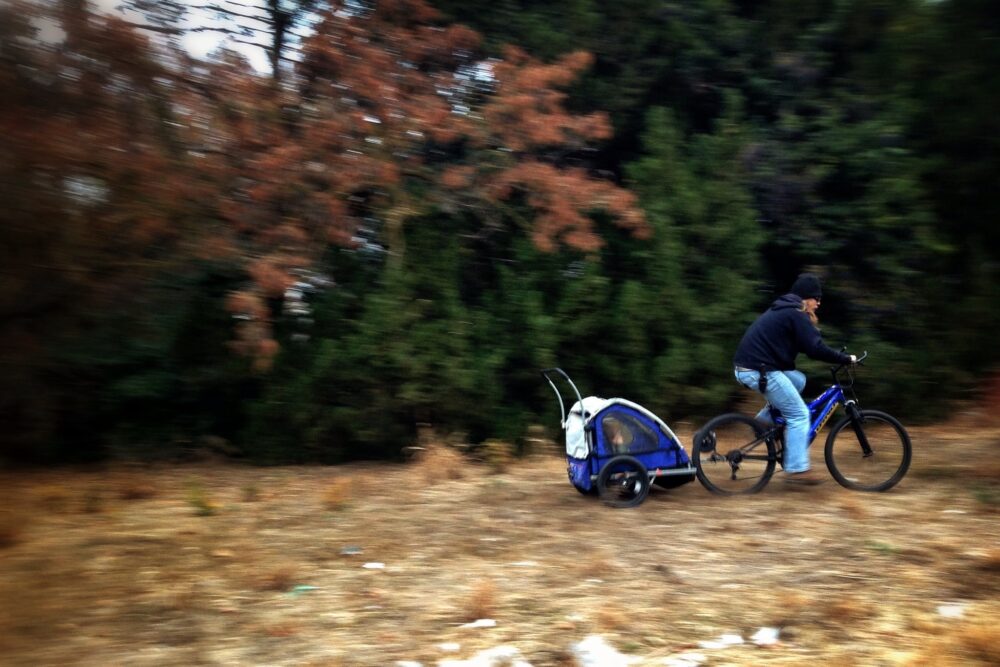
{"x": 765, "y": 363}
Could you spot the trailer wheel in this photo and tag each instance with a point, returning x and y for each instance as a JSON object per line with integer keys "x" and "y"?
{"x": 623, "y": 482}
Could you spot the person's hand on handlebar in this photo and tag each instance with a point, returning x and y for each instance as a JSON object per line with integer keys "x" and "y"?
{"x": 856, "y": 359}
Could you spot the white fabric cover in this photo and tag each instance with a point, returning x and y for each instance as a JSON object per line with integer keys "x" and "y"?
{"x": 576, "y": 439}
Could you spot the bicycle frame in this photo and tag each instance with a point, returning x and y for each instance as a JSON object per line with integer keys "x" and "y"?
{"x": 821, "y": 409}
{"x": 823, "y": 406}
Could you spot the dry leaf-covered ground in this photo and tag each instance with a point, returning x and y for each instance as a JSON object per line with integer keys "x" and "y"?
{"x": 219, "y": 564}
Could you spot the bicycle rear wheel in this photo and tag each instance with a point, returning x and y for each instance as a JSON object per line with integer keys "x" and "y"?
{"x": 732, "y": 456}
{"x": 885, "y": 462}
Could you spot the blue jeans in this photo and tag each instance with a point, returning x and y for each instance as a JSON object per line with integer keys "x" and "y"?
{"x": 784, "y": 389}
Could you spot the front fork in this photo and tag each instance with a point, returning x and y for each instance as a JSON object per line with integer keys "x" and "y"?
{"x": 857, "y": 423}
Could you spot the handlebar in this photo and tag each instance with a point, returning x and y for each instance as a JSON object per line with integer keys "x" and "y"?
{"x": 857, "y": 362}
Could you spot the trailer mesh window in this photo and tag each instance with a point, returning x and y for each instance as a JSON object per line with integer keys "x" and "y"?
{"x": 625, "y": 434}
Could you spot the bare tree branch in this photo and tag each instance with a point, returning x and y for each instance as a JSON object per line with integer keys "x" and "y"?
{"x": 171, "y": 30}
{"x": 266, "y": 18}
{"x": 275, "y": 27}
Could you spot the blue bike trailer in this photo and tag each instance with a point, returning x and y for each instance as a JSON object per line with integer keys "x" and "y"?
{"x": 621, "y": 434}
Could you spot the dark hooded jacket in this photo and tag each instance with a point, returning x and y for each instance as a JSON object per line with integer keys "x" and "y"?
{"x": 776, "y": 337}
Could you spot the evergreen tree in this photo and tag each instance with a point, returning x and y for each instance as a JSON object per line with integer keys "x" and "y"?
{"x": 839, "y": 184}
{"x": 703, "y": 268}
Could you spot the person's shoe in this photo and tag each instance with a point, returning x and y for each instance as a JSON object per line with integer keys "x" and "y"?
{"x": 804, "y": 478}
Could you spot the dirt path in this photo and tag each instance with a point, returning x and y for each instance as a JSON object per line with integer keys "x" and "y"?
{"x": 230, "y": 565}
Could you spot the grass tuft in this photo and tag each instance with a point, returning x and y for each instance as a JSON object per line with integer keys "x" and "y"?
{"x": 611, "y": 618}
{"x": 437, "y": 463}
{"x": 11, "y": 530}
{"x": 883, "y": 548}
{"x": 132, "y": 489}
{"x": 981, "y": 641}
{"x": 970, "y": 644}
{"x": 482, "y": 601}
{"x": 54, "y": 498}
{"x": 791, "y": 607}
{"x": 200, "y": 500}
{"x": 854, "y": 507}
{"x": 93, "y": 502}
{"x": 986, "y": 470}
{"x": 498, "y": 455}
{"x": 597, "y": 565}
{"x": 990, "y": 562}
{"x": 278, "y": 579}
{"x": 337, "y": 493}
{"x": 847, "y": 608}
{"x": 987, "y": 498}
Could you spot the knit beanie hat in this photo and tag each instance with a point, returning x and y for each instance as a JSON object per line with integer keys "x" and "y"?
{"x": 807, "y": 286}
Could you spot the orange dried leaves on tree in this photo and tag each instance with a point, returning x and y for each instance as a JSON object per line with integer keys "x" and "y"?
{"x": 386, "y": 103}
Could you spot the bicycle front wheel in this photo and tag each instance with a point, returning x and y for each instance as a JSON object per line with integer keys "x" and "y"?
{"x": 733, "y": 456}
{"x": 870, "y": 454}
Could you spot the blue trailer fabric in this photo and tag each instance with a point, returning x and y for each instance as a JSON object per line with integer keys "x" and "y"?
{"x": 624, "y": 428}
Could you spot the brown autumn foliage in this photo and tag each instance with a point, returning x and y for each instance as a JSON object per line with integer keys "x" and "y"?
{"x": 98, "y": 191}
{"x": 123, "y": 159}
{"x": 387, "y": 119}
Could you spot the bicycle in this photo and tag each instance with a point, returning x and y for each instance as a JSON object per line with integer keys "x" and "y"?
{"x": 867, "y": 450}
